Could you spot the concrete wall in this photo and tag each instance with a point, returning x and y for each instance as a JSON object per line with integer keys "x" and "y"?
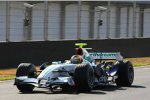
{"x": 71, "y": 21}
{"x": 38, "y": 22}
{"x": 69, "y": 26}
{"x": 146, "y": 23}
{"x": 11, "y": 54}
{"x": 54, "y": 21}
{"x": 2, "y": 21}
{"x": 16, "y": 21}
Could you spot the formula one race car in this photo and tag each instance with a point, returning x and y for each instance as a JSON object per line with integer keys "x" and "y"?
{"x": 82, "y": 72}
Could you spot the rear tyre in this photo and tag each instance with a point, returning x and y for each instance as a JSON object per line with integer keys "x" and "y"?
{"x": 84, "y": 77}
{"x": 29, "y": 70}
{"x": 125, "y": 74}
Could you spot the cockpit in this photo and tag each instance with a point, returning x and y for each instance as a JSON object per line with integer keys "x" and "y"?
{"x": 76, "y": 59}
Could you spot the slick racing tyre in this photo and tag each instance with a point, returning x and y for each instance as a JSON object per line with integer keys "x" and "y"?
{"x": 29, "y": 70}
{"x": 25, "y": 88}
{"x": 84, "y": 77}
{"x": 125, "y": 74}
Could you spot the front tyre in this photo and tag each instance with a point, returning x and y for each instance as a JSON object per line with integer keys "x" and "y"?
{"x": 84, "y": 77}
{"x": 26, "y": 69}
{"x": 25, "y": 88}
{"x": 29, "y": 70}
{"x": 125, "y": 74}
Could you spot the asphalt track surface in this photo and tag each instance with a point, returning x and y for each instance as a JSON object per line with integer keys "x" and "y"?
{"x": 140, "y": 90}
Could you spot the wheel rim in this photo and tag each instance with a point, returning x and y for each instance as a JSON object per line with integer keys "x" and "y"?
{"x": 131, "y": 75}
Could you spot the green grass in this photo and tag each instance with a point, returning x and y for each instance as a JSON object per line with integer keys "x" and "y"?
{"x": 6, "y": 77}
{"x": 140, "y": 65}
{"x": 7, "y": 74}
{"x": 137, "y": 62}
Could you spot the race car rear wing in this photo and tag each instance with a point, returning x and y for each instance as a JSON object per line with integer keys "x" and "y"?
{"x": 106, "y": 56}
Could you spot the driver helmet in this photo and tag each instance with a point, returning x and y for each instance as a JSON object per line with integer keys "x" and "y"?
{"x": 76, "y": 59}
